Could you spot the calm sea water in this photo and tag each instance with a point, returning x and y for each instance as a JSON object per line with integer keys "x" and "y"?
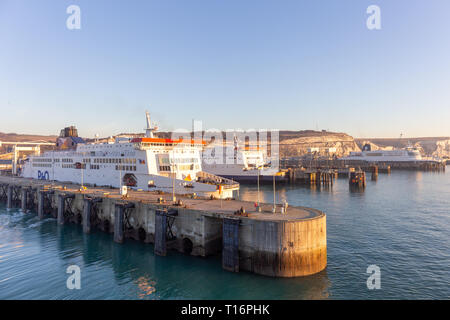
{"x": 401, "y": 223}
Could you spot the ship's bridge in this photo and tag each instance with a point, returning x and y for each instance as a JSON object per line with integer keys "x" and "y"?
{"x": 150, "y": 143}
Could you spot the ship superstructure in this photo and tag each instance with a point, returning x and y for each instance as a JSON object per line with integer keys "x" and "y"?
{"x": 397, "y": 155}
{"x": 244, "y": 164}
{"x": 146, "y": 163}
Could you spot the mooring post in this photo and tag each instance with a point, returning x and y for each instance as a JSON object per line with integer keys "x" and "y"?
{"x": 375, "y": 173}
{"x": 118, "y": 223}
{"x": 87, "y": 215}
{"x": 41, "y": 195}
{"x": 61, "y": 208}
{"x": 160, "y": 233}
{"x": 23, "y": 198}
{"x": 9, "y": 195}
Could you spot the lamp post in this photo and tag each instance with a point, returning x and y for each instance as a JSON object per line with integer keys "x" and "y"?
{"x": 274, "y": 206}
{"x": 81, "y": 164}
{"x": 173, "y": 180}
{"x": 258, "y": 208}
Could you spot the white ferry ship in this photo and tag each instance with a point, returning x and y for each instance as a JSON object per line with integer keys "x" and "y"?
{"x": 407, "y": 154}
{"x": 146, "y": 163}
{"x": 244, "y": 164}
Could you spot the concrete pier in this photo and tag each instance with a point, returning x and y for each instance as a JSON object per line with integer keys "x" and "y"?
{"x": 87, "y": 209}
{"x": 160, "y": 233}
{"x": 61, "y": 209}
{"x": 9, "y": 196}
{"x": 40, "y": 212}
{"x": 118, "y": 223}
{"x": 287, "y": 243}
{"x": 24, "y": 199}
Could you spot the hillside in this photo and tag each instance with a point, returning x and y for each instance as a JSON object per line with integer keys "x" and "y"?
{"x": 292, "y": 143}
{"x": 14, "y": 137}
{"x": 296, "y": 143}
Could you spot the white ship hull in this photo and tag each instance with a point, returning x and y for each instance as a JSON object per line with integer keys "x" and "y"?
{"x": 242, "y": 166}
{"x": 242, "y": 174}
{"x": 402, "y": 155}
{"x": 148, "y": 163}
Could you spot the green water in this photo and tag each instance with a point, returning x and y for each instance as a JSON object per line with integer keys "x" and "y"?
{"x": 400, "y": 223}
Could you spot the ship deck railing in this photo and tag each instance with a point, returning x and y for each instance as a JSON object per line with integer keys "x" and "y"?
{"x": 213, "y": 179}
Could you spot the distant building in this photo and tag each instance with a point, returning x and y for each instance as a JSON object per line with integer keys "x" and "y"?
{"x": 69, "y": 132}
{"x": 68, "y": 138}
{"x": 68, "y": 143}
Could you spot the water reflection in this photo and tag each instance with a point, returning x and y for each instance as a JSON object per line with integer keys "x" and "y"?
{"x": 401, "y": 220}
{"x": 175, "y": 276}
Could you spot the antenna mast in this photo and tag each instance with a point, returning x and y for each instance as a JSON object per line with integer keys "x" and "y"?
{"x": 149, "y": 130}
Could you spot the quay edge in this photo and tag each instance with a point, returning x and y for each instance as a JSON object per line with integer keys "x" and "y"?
{"x": 290, "y": 244}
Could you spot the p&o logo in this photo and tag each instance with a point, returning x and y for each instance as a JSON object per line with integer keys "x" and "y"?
{"x": 43, "y": 175}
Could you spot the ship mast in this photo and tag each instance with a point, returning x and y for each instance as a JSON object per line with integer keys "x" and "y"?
{"x": 149, "y": 130}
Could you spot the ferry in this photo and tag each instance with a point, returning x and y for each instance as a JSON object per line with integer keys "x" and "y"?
{"x": 142, "y": 163}
{"x": 244, "y": 164}
{"x": 408, "y": 154}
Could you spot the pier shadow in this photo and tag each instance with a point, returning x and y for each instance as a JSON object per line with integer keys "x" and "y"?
{"x": 138, "y": 273}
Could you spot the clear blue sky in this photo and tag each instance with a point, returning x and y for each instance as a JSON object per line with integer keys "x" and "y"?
{"x": 230, "y": 63}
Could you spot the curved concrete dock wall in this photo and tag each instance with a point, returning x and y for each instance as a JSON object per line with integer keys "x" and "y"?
{"x": 285, "y": 248}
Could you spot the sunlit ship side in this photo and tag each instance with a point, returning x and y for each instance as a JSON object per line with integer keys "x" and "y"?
{"x": 146, "y": 163}
{"x": 404, "y": 156}
{"x": 244, "y": 164}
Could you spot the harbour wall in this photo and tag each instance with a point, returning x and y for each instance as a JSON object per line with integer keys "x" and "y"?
{"x": 288, "y": 243}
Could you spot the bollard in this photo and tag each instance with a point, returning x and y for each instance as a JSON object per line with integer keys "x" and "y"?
{"x": 9, "y": 196}
{"x": 118, "y": 224}
{"x": 41, "y": 195}
{"x": 374, "y": 173}
{"x": 87, "y": 215}
{"x": 24, "y": 198}
{"x": 61, "y": 207}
